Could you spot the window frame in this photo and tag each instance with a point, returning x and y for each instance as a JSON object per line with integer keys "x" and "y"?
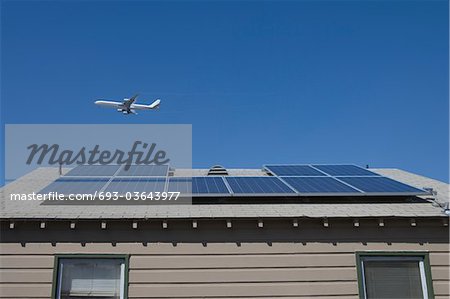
{"x": 125, "y": 257}
{"x": 424, "y": 255}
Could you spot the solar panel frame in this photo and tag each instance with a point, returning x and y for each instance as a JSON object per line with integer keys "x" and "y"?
{"x": 143, "y": 171}
{"x": 214, "y": 185}
{"x": 311, "y": 186}
{"x": 94, "y": 170}
{"x": 293, "y": 170}
{"x": 337, "y": 170}
{"x": 124, "y": 185}
{"x": 75, "y": 185}
{"x": 380, "y": 185}
{"x": 259, "y": 186}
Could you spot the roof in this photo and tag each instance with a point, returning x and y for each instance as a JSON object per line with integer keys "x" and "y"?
{"x": 39, "y": 178}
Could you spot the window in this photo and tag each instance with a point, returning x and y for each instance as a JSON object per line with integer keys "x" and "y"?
{"x": 81, "y": 276}
{"x": 394, "y": 275}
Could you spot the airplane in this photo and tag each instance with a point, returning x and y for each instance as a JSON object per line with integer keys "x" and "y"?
{"x": 128, "y": 106}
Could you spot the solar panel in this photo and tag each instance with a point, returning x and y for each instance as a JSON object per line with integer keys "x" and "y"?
{"x": 319, "y": 185}
{"x": 293, "y": 170}
{"x": 182, "y": 185}
{"x": 198, "y": 185}
{"x": 75, "y": 185}
{"x": 344, "y": 170}
{"x": 289, "y": 180}
{"x": 144, "y": 170}
{"x": 258, "y": 185}
{"x": 93, "y": 170}
{"x": 381, "y": 185}
{"x": 124, "y": 185}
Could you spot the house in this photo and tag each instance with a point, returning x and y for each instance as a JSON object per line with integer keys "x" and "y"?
{"x": 283, "y": 245}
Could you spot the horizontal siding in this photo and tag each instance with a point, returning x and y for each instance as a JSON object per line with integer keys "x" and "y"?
{"x": 243, "y": 275}
{"x": 284, "y": 270}
{"x": 26, "y": 275}
{"x": 439, "y": 259}
{"x": 440, "y": 272}
{"x": 243, "y": 289}
{"x": 213, "y": 248}
{"x": 26, "y": 262}
{"x": 267, "y": 297}
{"x": 241, "y": 261}
{"x": 441, "y": 288}
{"x": 26, "y": 290}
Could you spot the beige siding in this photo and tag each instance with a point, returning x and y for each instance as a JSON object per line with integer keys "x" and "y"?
{"x": 26, "y": 290}
{"x": 256, "y": 270}
{"x": 243, "y": 275}
{"x": 243, "y": 289}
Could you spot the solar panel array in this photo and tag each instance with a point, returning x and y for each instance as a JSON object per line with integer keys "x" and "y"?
{"x": 335, "y": 180}
{"x": 285, "y": 181}
{"x": 89, "y": 179}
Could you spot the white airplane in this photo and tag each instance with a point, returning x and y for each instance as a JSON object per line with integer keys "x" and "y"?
{"x": 128, "y": 106}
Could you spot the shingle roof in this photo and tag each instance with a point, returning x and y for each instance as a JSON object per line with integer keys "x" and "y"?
{"x": 36, "y": 180}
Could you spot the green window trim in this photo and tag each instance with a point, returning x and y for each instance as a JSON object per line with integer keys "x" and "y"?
{"x": 420, "y": 254}
{"x": 125, "y": 257}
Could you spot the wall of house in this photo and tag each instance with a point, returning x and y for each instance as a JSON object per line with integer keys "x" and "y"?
{"x": 212, "y": 261}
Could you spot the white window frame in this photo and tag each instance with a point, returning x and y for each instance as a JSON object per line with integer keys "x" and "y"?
{"x": 59, "y": 270}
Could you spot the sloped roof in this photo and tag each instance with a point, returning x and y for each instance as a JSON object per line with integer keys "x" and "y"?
{"x": 39, "y": 178}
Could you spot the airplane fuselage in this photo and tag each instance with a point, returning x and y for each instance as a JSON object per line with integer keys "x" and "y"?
{"x": 128, "y": 106}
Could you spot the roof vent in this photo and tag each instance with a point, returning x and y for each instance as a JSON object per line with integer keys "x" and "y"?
{"x": 217, "y": 170}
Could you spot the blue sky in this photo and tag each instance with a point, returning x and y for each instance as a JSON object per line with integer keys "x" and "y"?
{"x": 362, "y": 82}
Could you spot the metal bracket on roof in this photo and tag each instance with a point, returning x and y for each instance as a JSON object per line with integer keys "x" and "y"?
{"x": 430, "y": 190}
{"x": 446, "y": 209}
{"x": 260, "y": 223}
{"x": 229, "y": 224}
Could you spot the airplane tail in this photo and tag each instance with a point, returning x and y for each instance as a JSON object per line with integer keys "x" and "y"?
{"x": 155, "y": 104}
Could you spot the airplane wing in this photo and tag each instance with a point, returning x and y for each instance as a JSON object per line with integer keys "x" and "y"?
{"x": 129, "y": 102}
